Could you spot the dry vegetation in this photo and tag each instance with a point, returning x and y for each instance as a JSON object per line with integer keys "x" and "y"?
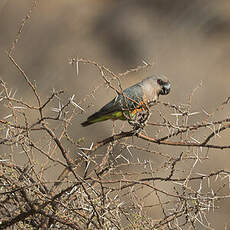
{"x": 106, "y": 185}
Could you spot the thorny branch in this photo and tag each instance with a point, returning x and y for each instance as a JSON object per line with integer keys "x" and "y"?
{"x": 113, "y": 183}
{"x": 99, "y": 201}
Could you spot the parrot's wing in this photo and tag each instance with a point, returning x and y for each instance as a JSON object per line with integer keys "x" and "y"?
{"x": 129, "y": 100}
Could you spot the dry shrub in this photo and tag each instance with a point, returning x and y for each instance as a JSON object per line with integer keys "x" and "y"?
{"x": 150, "y": 178}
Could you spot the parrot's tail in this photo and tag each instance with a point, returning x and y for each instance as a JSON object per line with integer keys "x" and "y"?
{"x": 94, "y": 119}
{"x": 86, "y": 123}
{"x": 97, "y": 117}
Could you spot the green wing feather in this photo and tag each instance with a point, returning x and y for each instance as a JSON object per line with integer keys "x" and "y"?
{"x": 129, "y": 100}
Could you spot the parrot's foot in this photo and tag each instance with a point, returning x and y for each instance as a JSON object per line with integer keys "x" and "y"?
{"x": 136, "y": 125}
{"x": 140, "y": 121}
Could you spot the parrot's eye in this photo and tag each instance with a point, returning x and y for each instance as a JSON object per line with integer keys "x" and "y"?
{"x": 160, "y": 82}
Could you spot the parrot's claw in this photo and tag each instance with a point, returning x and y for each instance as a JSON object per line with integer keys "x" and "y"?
{"x": 140, "y": 120}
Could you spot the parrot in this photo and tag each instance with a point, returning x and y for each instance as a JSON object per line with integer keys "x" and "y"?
{"x": 136, "y": 98}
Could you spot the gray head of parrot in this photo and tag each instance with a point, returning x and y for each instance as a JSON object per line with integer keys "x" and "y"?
{"x": 165, "y": 86}
{"x": 156, "y": 84}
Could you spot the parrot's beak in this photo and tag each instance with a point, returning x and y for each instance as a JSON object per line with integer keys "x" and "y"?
{"x": 165, "y": 89}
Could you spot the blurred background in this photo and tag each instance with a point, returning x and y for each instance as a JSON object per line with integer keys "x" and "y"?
{"x": 188, "y": 41}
